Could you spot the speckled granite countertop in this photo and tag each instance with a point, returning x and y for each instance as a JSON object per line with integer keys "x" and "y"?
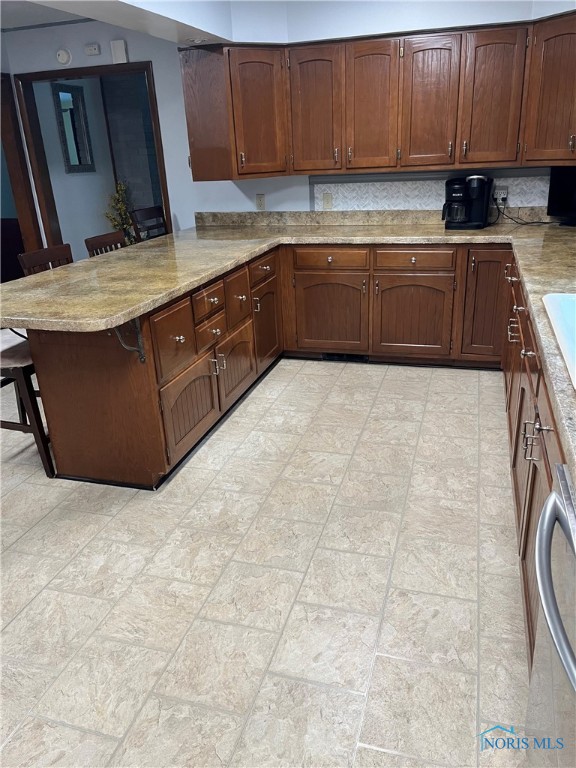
{"x": 100, "y": 293}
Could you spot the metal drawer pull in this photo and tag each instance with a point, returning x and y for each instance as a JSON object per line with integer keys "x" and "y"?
{"x": 222, "y": 363}
{"x": 413, "y": 260}
{"x": 330, "y": 259}
{"x": 527, "y": 353}
{"x": 507, "y": 277}
{"x": 242, "y": 159}
{"x": 256, "y": 304}
{"x": 265, "y": 267}
{"x": 216, "y": 331}
{"x": 513, "y": 338}
{"x": 336, "y": 154}
{"x": 449, "y": 149}
{"x": 180, "y": 339}
{"x": 377, "y": 287}
{"x": 363, "y": 286}
{"x": 518, "y": 309}
{"x": 216, "y": 370}
{"x": 349, "y": 154}
{"x": 473, "y": 263}
{"x": 214, "y": 300}
{"x": 572, "y": 143}
{"x": 465, "y": 149}
{"x": 240, "y": 298}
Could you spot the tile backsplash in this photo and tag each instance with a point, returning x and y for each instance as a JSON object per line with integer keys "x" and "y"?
{"x": 420, "y": 195}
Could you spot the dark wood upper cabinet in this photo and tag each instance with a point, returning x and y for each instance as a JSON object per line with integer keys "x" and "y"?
{"x": 316, "y": 99}
{"x": 491, "y": 95}
{"x": 429, "y": 99}
{"x": 259, "y": 108}
{"x": 371, "y": 103}
{"x": 550, "y": 117}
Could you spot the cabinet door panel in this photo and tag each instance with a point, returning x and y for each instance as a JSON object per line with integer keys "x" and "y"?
{"x": 372, "y": 103}
{"x": 492, "y": 94}
{"x": 267, "y": 320}
{"x": 257, "y": 78}
{"x": 237, "y": 363}
{"x": 430, "y": 76}
{"x": 551, "y": 104}
{"x": 316, "y": 82}
{"x": 332, "y": 311}
{"x": 485, "y": 303}
{"x": 412, "y": 314}
{"x": 189, "y": 407}
{"x": 237, "y": 293}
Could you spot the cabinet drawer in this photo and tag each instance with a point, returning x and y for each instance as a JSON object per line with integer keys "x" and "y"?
{"x": 237, "y": 295}
{"x": 173, "y": 336}
{"x": 411, "y": 258}
{"x": 210, "y": 332}
{"x": 262, "y": 268}
{"x": 331, "y": 258}
{"x": 208, "y": 301}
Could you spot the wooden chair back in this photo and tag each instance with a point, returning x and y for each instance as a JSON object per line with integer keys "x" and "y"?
{"x": 99, "y": 244}
{"x": 45, "y": 259}
{"x": 148, "y": 222}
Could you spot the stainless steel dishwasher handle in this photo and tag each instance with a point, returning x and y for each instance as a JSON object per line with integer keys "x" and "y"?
{"x": 553, "y": 511}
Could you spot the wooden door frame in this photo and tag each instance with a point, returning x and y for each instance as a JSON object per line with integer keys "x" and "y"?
{"x": 18, "y": 169}
{"x": 24, "y": 84}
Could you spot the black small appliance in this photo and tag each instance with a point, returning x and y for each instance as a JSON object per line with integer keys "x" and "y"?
{"x": 562, "y": 194}
{"x": 467, "y": 202}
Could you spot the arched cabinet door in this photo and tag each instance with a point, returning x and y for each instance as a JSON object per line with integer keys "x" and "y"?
{"x": 236, "y": 364}
{"x": 267, "y": 316}
{"x": 332, "y": 311}
{"x": 412, "y": 314}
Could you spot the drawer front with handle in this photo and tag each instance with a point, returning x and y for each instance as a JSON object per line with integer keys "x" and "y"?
{"x": 237, "y": 293}
{"x": 331, "y": 258}
{"x": 211, "y": 332}
{"x": 173, "y": 337}
{"x": 441, "y": 259}
{"x": 262, "y": 268}
{"x": 208, "y": 301}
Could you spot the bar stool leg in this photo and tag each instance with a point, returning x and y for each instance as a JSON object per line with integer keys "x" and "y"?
{"x": 25, "y": 390}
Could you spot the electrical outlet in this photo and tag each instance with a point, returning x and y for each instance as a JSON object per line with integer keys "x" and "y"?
{"x": 327, "y": 201}
{"x": 500, "y": 194}
{"x": 260, "y": 202}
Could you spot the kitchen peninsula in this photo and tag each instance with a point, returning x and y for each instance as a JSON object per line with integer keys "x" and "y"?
{"x": 129, "y": 415}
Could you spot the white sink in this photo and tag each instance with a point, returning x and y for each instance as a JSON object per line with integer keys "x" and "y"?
{"x": 561, "y": 308}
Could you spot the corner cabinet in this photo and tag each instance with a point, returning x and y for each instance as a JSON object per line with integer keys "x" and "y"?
{"x": 550, "y": 119}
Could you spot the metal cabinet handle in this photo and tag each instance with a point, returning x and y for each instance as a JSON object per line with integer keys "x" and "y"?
{"x": 464, "y": 149}
{"x": 241, "y": 298}
{"x": 265, "y": 267}
{"x": 507, "y": 268}
{"x": 363, "y": 286}
{"x": 336, "y": 154}
{"x": 377, "y": 287}
{"x": 517, "y": 309}
{"x": 214, "y": 300}
{"x": 449, "y": 149}
{"x": 256, "y": 301}
{"x": 330, "y": 259}
{"x": 216, "y": 331}
{"x": 349, "y": 154}
{"x": 572, "y": 143}
{"x": 528, "y": 441}
{"x": 180, "y": 339}
{"x": 222, "y": 362}
{"x": 242, "y": 159}
{"x": 473, "y": 263}
{"x": 413, "y": 260}
{"x": 527, "y": 353}
{"x": 216, "y": 370}
{"x": 554, "y": 511}
{"x": 513, "y": 338}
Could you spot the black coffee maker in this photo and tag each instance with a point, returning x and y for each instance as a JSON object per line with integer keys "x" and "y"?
{"x": 467, "y": 202}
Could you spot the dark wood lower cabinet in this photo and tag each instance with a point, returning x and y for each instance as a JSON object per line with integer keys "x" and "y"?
{"x": 332, "y": 311}
{"x": 236, "y": 365}
{"x": 485, "y": 303}
{"x": 412, "y": 314}
{"x": 190, "y": 406}
{"x": 267, "y": 319}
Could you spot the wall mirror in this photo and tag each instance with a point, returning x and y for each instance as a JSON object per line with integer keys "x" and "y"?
{"x": 73, "y": 127}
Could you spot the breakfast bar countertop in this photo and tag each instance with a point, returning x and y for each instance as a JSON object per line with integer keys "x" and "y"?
{"x": 109, "y": 290}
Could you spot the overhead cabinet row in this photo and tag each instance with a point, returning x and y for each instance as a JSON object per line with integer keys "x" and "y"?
{"x": 498, "y": 96}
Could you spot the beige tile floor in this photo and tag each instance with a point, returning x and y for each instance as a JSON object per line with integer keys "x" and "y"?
{"x": 330, "y": 580}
